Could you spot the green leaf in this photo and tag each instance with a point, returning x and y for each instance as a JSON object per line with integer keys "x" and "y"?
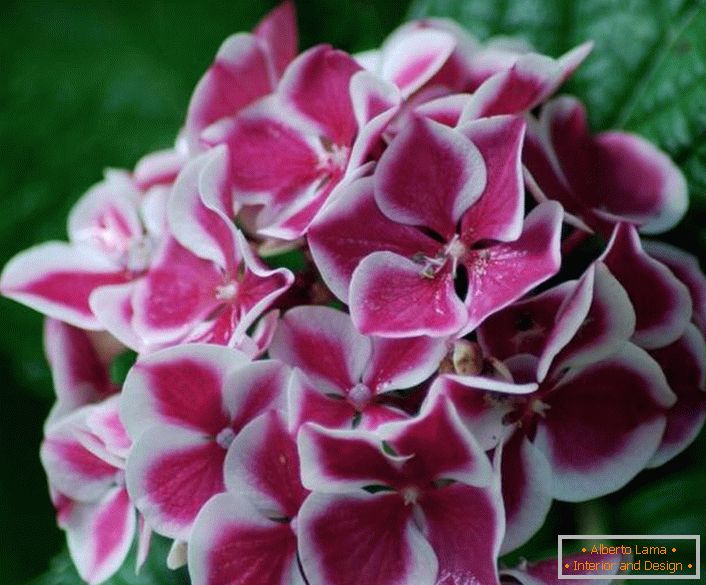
{"x": 153, "y": 572}
{"x": 675, "y": 505}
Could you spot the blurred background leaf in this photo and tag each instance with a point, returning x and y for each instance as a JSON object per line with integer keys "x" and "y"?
{"x": 89, "y": 85}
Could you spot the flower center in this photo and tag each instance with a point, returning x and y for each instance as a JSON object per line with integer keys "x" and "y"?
{"x": 138, "y": 255}
{"x": 455, "y": 250}
{"x": 410, "y": 495}
{"x": 227, "y": 292}
{"x": 334, "y": 158}
{"x": 225, "y": 437}
{"x": 359, "y": 396}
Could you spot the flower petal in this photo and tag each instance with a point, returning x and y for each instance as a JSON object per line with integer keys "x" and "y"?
{"x": 233, "y": 544}
{"x": 339, "y": 461}
{"x": 464, "y": 526}
{"x": 414, "y": 306}
{"x": 278, "y": 31}
{"x": 238, "y": 76}
{"x": 171, "y": 473}
{"x": 350, "y": 228}
{"x": 527, "y": 490}
{"x": 436, "y": 445}
{"x": 308, "y": 404}
{"x": 662, "y": 303}
{"x": 362, "y": 538}
{"x": 683, "y": 364}
{"x": 317, "y": 84}
{"x": 412, "y": 57}
{"x": 57, "y": 279}
{"x": 500, "y": 274}
{"x": 402, "y": 363}
{"x": 591, "y": 324}
{"x": 79, "y": 372}
{"x": 498, "y": 213}
{"x": 180, "y": 386}
{"x": 429, "y": 176}
{"x": 99, "y": 535}
{"x": 604, "y": 423}
{"x": 324, "y": 344}
{"x": 262, "y": 465}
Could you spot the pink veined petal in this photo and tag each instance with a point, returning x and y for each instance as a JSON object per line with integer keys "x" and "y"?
{"x": 272, "y": 157}
{"x": 71, "y": 467}
{"x": 179, "y": 292}
{"x": 57, "y": 279}
{"x": 254, "y": 389}
{"x": 278, "y": 32}
{"x": 362, "y": 538}
{"x": 683, "y": 364}
{"x": 262, "y": 465}
{"x": 526, "y": 84}
{"x": 390, "y": 297}
{"x": 630, "y": 179}
{"x": 591, "y": 324}
{"x": 239, "y": 75}
{"x": 171, "y": 473}
{"x": 307, "y": 403}
{"x": 500, "y": 274}
{"x": 351, "y": 228}
{"x": 160, "y": 167}
{"x": 99, "y": 535}
{"x": 429, "y": 176}
{"x": 340, "y": 461}
{"x": 523, "y": 326}
{"x": 686, "y": 268}
{"x": 106, "y": 217}
{"x": 324, "y": 344}
{"x": 604, "y": 423}
{"x": 233, "y": 544}
{"x": 662, "y": 303}
{"x": 317, "y": 84}
{"x": 543, "y": 174}
{"x": 182, "y": 386}
{"x": 192, "y": 220}
{"x": 402, "y": 363}
{"x": 640, "y": 183}
{"x": 104, "y": 423}
{"x": 527, "y": 490}
{"x": 410, "y": 60}
{"x": 498, "y": 213}
{"x": 262, "y": 335}
{"x": 80, "y": 375}
{"x": 112, "y": 306}
{"x": 436, "y": 445}
{"x": 480, "y": 403}
{"x": 371, "y": 96}
{"x": 445, "y": 110}
{"x": 376, "y": 414}
{"x": 464, "y": 526}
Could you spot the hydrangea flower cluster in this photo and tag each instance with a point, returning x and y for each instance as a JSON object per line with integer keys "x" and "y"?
{"x": 404, "y": 408}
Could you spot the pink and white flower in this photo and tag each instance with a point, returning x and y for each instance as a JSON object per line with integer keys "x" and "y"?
{"x": 84, "y": 457}
{"x": 247, "y": 67}
{"x": 108, "y": 245}
{"x": 183, "y": 406}
{"x": 343, "y": 376}
{"x": 414, "y": 503}
{"x": 443, "y": 204}
{"x": 247, "y": 534}
{"x": 598, "y": 413}
{"x": 604, "y": 179}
